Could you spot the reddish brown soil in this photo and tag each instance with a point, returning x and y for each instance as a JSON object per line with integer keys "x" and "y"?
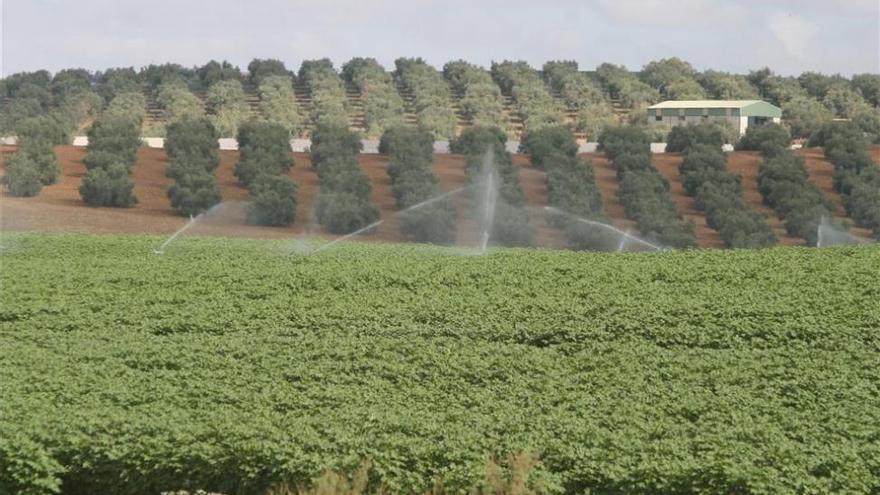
{"x": 745, "y": 164}
{"x": 59, "y": 207}
{"x": 668, "y": 164}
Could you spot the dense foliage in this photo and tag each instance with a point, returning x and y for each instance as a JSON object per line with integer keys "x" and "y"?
{"x": 488, "y": 163}
{"x": 533, "y": 102}
{"x": 263, "y": 148}
{"x": 856, "y": 176}
{"x": 278, "y": 103}
{"x": 34, "y": 163}
{"x": 227, "y": 106}
{"x": 783, "y": 182}
{"x": 114, "y": 140}
{"x": 178, "y": 102}
{"x": 108, "y": 186}
{"x": 272, "y": 200}
{"x": 193, "y": 155}
{"x": 644, "y": 193}
{"x": 681, "y": 137}
{"x": 383, "y": 105}
{"x": 227, "y": 367}
{"x": 480, "y": 98}
{"x": 593, "y": 112}
{"x": 571, "y": 187}
{"x": 432, "y": 98}
{"x": 719, "y": 194}
{"x": 410, "y": 156}
{"x": 327, "y": 92}
{"x": 626, "y": 87}
{"x": 344, "y": 203}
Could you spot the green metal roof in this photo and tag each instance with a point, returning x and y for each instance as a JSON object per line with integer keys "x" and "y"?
{"x": 748, "y": 108}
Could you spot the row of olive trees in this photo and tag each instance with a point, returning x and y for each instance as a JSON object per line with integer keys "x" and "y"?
{"x": 264, "y": 161}
{"x": 784, "y": 183}
{"x": 114, "y": 140}
{"x": 856, "y": 176}
{"x": 34, "y": 163}
{"x": 479, "y": 96}
{"x": 410, "y": 153}
{"x": 433, "y": 104}
{"x": 485, "y": 156}
{"x": 532, "y": 101}
{"x": 571, "y": 187}
{"x": 193, "y": 156}
{"x": 718, "y": 192}
{"x": 343, "y": 204}
{"x": 593, "y": 111}
{"x": 383, "y": 105}
{"x": 643, "y": 192}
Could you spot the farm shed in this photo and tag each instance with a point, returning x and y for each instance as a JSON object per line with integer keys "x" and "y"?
{"x": 738, "y": 113}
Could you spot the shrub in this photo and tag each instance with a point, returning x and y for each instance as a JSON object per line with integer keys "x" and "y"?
{"x": 22, "y": 178}
{"x": 547, "y": 141}
{"x": 475, "y": 140}
{"x": 278, "y": 103}
{"x": 272, "y": 201}
{"x": 330, "y": 140}
{"x": 130, "y": 105}
{"x": 412, "y": 181}
{"x": 624, "y": 139}
{"x": 759, "y": 136}
{"x": 110, "y": 187}
{"x": 178, "y": 102}
{"x": 264, "y": 148}
{"x": 117, "y": 135}
{"x": 344, "y": 212}
{"x": 41, "y": 157}
{"x": 683, "y": 136}
{"x": 43, "y": 128}
{"x": 193, "y": 141}
{"x": 193, "y": 192}
{"x": 227, "y": 106}
{"x": 406, "y": 143}
{"x": 262, "y": 69}
{"x": 327, "y": 92}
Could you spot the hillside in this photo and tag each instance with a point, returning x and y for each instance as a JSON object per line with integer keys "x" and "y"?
{"x": 59, "y": 207}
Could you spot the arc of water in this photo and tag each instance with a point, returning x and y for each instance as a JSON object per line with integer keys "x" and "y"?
{"x": 622, "y": 242}
{"x": 489, "y": 200}
{"x": 405, "y": 210}
{"x": 192, "y": 220}
{"x": 603, "y": 225}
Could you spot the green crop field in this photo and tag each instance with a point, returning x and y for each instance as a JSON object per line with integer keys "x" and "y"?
{"x": 232, "y": 365}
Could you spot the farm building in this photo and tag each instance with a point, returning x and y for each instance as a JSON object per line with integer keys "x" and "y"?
{"x": 738, "y": 113}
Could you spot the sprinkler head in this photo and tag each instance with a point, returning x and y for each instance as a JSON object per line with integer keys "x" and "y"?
{"x": 156, "y": 251}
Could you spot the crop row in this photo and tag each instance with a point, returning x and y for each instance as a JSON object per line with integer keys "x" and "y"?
{"x": 227, "y": 367}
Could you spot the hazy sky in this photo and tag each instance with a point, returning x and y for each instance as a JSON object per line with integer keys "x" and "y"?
{"x": 789, "y": 36}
